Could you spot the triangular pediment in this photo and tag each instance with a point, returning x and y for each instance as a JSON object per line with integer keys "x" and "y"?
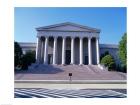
{"x": 67, "y": 27}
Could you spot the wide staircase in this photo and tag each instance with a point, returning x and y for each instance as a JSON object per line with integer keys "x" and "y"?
{"x": 75, "y": 68}
{"x": 60, "y": 72}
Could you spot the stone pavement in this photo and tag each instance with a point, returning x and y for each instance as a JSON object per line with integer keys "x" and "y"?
{"x": 69, "y": 93}
{"x": 59, "y": 72}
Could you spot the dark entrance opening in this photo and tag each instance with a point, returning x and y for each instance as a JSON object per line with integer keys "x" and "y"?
{"x": 50, "y": 57}
{"x": 68, "y": 57}
{"x": 86, "y": 60}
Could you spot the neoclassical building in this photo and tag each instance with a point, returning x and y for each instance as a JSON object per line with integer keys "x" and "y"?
{"x": 69, "y": 43}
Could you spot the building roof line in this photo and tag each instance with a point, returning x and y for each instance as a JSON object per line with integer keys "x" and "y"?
{"x": 68, "y": 23}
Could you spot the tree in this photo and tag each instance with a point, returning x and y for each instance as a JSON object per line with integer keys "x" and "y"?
{"x": 108, "y": 61}
{"x": 17, "y": 54}
{"x": 123, "y": 52}
{"x": 27, "y": 59}
{"x": 104, "y": 54}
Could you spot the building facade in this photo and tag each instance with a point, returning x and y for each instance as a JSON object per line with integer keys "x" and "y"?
{"x": 69, "y": 43}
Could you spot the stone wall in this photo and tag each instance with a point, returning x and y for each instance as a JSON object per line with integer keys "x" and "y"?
{"x": 113, "y": 50}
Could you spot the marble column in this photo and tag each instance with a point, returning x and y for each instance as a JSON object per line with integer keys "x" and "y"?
{"x": 72, "y": 50}
{"x": 38, "y": 50}
{"x": 63, "y": 50}
{"x": 89, "y": 52}
{"x": 54, "y": 50}
{"x": 81, "y": 51}
{"x": 46, "y": 51}
{"x": 42, "y": 51}
{"x": 97, "y": 50}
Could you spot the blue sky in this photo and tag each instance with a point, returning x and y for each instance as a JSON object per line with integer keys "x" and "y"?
{"x": 111, "y": 21}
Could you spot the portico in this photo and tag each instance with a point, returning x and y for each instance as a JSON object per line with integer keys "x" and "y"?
{"x": 67, "y": 43}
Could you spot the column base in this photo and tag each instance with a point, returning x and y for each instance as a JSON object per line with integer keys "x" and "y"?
{"x": 72, "y": 64}
{"x": 99, "y": 65}
{"x": 81, "y": 64}
{"x": 54, "y": 64}
{"x": 63, "y": 64}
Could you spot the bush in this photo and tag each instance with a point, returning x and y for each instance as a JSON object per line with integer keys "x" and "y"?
{"x": 17, "y": 54}
{"x": 123, "y": 52}
{"x": 108, "y": 61}
{"x": 104, "y": 54}
{"x": 27, "y": 60}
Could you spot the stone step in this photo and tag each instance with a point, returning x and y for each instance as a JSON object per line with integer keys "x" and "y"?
{"x": 83, "y": 68}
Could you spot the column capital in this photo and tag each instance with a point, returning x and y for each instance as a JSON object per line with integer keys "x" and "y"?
{"x": 39, "y": 37}
{"x": 89, "y": 37}
{"x": 63, "y": 37}
{"x": 46, "y": 37}
{"x": 55, "y": 37}
{"x": 81, "y": 37}
{"x": 72, "y": 37}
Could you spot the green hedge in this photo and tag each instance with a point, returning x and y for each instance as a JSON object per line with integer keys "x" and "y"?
{"x": 27, "y": 60}
{"x": 108, "y": 61}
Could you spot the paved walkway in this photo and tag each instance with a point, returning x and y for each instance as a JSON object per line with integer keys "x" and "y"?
{"x": 59, "y": 72}
{"x": 65, "y": 93}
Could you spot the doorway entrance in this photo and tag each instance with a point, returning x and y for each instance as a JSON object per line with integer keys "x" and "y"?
{"x": 86, "y": 60}
{"x": 50, "y": 58}
{"x": 68, "y": 57}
